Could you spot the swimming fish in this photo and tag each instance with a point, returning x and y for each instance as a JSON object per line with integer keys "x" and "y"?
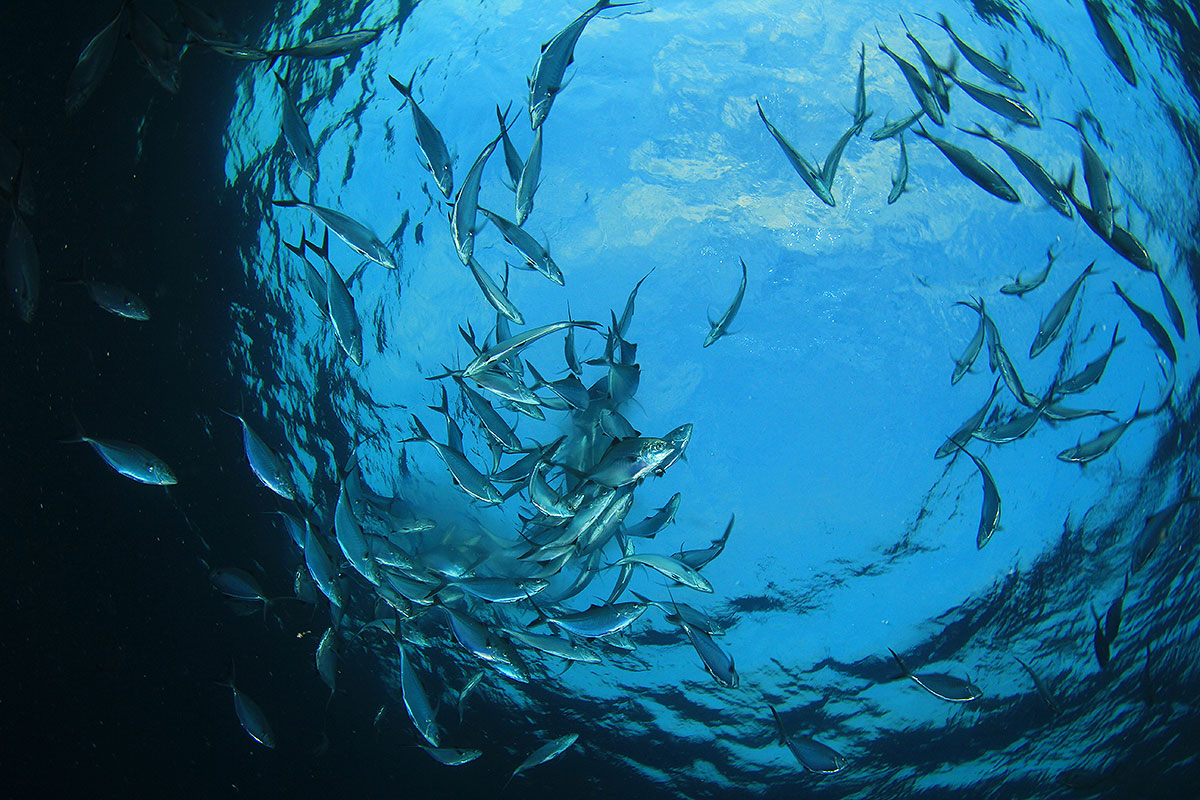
{"x": 918, "y": 86}
{"x": 900, "y": 179}
{"x": 985, "y": 65}
{"x": 1150, "y": 323}
{"x": 672, "y": 568}
{"x": 808, "y": 173}
{"x": 495, "y": 296}
{"x": 130, "y": 460}
{"x": 528, "y": 183}
{"x": 963, "y": 435}
{"x": 115, "y": 300}
{"x": 720, "y": 327}
{"x": 295, "y": 132}
{"x": 416, "y": 702}
{"x": 1154, "y": 531}
{"x": 268, "y": 465}
{"x": 1109, "y": 40}
{"x": 811, "y": 754}
{"x": 963, "y": 363}
{"x": 717, "y": 662}
{"x": 346, "y": 325}
{"x": 1033, "y": 172}
{"x": 466, "y": 205}
{"x": 891, "y": 129}
{"x": 252, "y": 718}
{"x": 1095, "y": 177}
{"x": 1100, "y": 643}
{"x": 1051, "y": 324}
{"x": 933, "y": 70}
{"x": 429, "y": 139}
{"x": 359, "y": 236}
{"x": 860, "y": 89}
{"x": 547, "y": 752}
{"x": 1020, "y": 287}
{"x": 972, "y": 167}
{"x": 940, "y": 685}
{"x": 536, "y": 255}
{"x": 1007, "y": 107}
{"x": 829, "y": 168}
{"x": 1092, "y": 449}
{"x": 698, "y": 559}
{"x": 1112, "y": 618}
{"x": 989, "y": 515}
{"x": 1041, "y": 687}
{"x": 339, "y": 44}
{"x": 465, "y": 475}
{"x": 93, "y": 63}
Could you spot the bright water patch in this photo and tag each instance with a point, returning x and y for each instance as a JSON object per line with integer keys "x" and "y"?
{"x": 816, "y": 421}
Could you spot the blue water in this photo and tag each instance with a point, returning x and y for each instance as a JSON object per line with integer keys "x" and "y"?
{"x": 815, "y": 421}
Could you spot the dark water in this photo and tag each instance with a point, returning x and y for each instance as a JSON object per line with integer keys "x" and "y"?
{"x": 114, "y": 638}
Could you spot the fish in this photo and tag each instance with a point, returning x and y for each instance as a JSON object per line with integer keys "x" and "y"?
{"x": 860, "y": 89}
{"x": 237, "y": 584}
{"x": 656, "y": 521}
{"x": 493, "y": 293}
{"x": 1020, "y": 287}
{"x": 829, "y": 168}
{"x": 357, "y": 235}
{"x": 1100, "y": 644}
{"x": 493, "y": 423}
{"x": 940, "y": 685}
{"x": 555, "y": 646}
{"x": 451, "y": 756}
{"x": 1016, "y": 427}
{"x": 268, "y": 465}
{"x": 346, "y": 325}
{"x": 295, "y": 132}
{"x": 698, "y": 559}
{"x": 717, "y": 662}
{"x": 1112, "y": 618}
{"x": 672, "y": 568}
{"x": 515, "y": 344}
{"x": 465, "y": 475}
{"x": 466, "y": 204}
{"x": 321, "y": 569}
{"x": 512, "y": 158}
{"x": 429, "y": 139}
{"x": 918, "y": 86}
{"x": 597, "y": 621}
{"x": 631, "y": 460}
{"x": 351, "y": 539}
{"x": 933, "y": 71}
{"x": 21, "y": 258}
{"x": 557, "y": 54}
{"x": 1113, "y": 48}
{"x": 720, "y": 327}
{"x": 963, "y": 363}
{"x": 900, "y": 179}
{"x": 314, "y": 281}
{"x": 251, "y": 717}
{"x": 1033, "y": 172}
{"x": 1173, "y": 310}
{"x": 989, "y": 515}
{"x": 158, "y": 52}
{"x": 130, "y": 460}
{"x": 1041, "y": 687}
{"x": 985, "y": 65}
{"x": 1095, "y": 177}
{"x": 569, "y": 354}
{"x": 115, "y": 299}
{"x": 200, "y": 22}
{"x": 416, "y": 702}
{"x": 93, "y": 63}
{"x": 1007, "y": 107}
{"x": 808, "y": 173}
{"x": 335, "y": 46}
{"x": 1083, "y": 452}
{"x": 972, "y": 167}
{"x": 1051, "y": 324}
{"x": 1154, "y": 531}
{"x": 528, "y": 183}
{"x": 1090, "y": 375}
{"x": 470, "y": 685}
{"x": 535, "y": 254}
{"x": 811, "y": 754}
{"x": 963, "y": 435}
{"x": 1011, "y": 379}
{"x": 326, "y": 659}
{"x": 1150, "y": 324}
{"x": 623, "y": 324}
{"x": 891, "y": 129}
{"x": 550, "y": 750}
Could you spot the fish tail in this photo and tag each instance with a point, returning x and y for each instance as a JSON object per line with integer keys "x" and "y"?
{"x": 444, "y": 406}
{"x": 778, "y": 724}
{"x": 285, "y": 203}
{"x": 404, "y": 89}
{"x": 903, "y": 668}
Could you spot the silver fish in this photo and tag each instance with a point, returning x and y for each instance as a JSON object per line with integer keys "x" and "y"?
{"x": 131, "y": 461}
{"x": 1173, "y": 310}
{"x": 900, "y": 179}
{"x": 860, "y": 89}
{"x": 829, "y": 168}
{"x": 429, "y": 139}
{"x": 656, "y": 521}
{"x": 358, "y": 236}
{"x": 1150, "y": 323}
{"x": 720, "y": 327}
{"x": 1092, "y": 449}
{"x": 717, "y": 662}
{"x": 963, "y": 363}
{"x": 698, "y": 559}
{"x": 973, "y": 168}
{"x": 351, "y": 539}
{"x": 314, "y": 281}
{"x": 1052, "y": 323}
{"x": 326, "y": 659}
{"x": 1002, "y": 104}
{"x": 416, "y": 702}
{"x": 493, "y": 293}
{"x": 891, "y": 129}
{"x": 1154, "y": 531}
{"x": 117, "y": 300}
{"x": 940, "y": 685}
{"x": 528, "y": 183}
{"x": 963, "y": 434}
{"x": 270, "y": 468}
{"x": 555, "y": 646}
{"x": 295, "y": 132}
{"x": 512, "y": 159}
{"x": 918, "y": 86}
{"x": 557, "y": 55}
{"x": 93, "y": 63}
{"x": 1020, "y": 287}
{"x": 599, "y": 621}
{"x": 340, "y": 44}
{"x": 933, "y": 71}
{"x": 535, "y": 254}
{"x": 251, "y": 717}
{"x": 985, "y": 65}
{"x": 808, "y": 173}
{"x": 672, "y": 568}
{"x": 515, "y": 344}
{"x": 1095, "y": 176}
{"x": 547, "y": 752}
{"x": 1109, "y": 40}
{"x": 812, "y": 755}
{"x": 466, "y": 204}
{"x": 1033, "y": 172}
{"x": 450, "y": 756}
{"x": 346, "y": 325}
{"x": 465, "y": 475}
{"x": 989, "y": 515}
{"x": 321, "y": 569}
{"x": 630, "y": 460}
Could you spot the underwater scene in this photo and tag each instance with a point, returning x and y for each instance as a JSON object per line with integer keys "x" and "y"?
{"x": 664, "y": 399}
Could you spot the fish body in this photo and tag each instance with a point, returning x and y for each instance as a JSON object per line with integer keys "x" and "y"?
{"x": 429, "y": 139}
{"x": 973, "y": 168}
{"x": 466, "y": 206}
{"x": 346, "y": 325}
{"x": 829, "y": 168}
{"x": 656, "y": 521}
{"x": 1100, "y": 644}
{"x": 465, "y": 475}
{"x": 979, "y": 61}
{"x": 451, "y": 756}
{"x": 672, "y": 568}
{"x": 555, "y": 646}
{"x": 535, "y": 254}
{"x": 132, "y": 461}
{"x": 527, "y": 184}
{"x": 1112, "y": 618}
{"x": 512, "y": 158}
{"x": 495, "y": 296}
{"x": 963, "y": 435}
{"x": 1002, "y": 104}
{"x": 1042, "y": 689}
{"x": 557, "y": 55}
{"x": 251, "y": 717}
{"x": 989, "y": 515}
{"x": 1090, "y": 375}
{"x": 963, "y": 363}
{"x": 270, "y": 468}
{"x": 1094, "y": 448}
{"x": 920, "y": 89}
{"x": 118, "y": 300}
{"x": 811, "y": 754}
{"x": 900, "y": 179}
{"x": 1113, "y": 48}
{"x": 717, "y": 662}
{"x": 1020, "y": 287}
{"x": 1033, "y": 172}
{"x": 340, "y": 44}
{"x": 1173, "y": 310}
{"x": 321, "y": 569}
{"x": 295, "y": 132}
{"x": 860, "y": 89}
{"x": 93, "y": 63}
{"x": 808, "y": 173}
{"x": 720, "y": 327}
{"x": 515, "y": 344}
{"x": 1150, "y": 324}
{"x": 1154, "y": 532}
{"x": 549, "y": 751}
{"x": 698, "y": 559}
{"x": 358, "y": 236}
{"x": 1051, "y": 324}
{"x": 351, "y": 539}
{"x": 891, "y": 129}
{"x": 933, "y": 71}
{"x": 599, "y": 621}
{"x": 326, "y": 659}
{"x": 631, "y": 460}
{"x": 416, "y": 702}
{"x": 940, "y": 685}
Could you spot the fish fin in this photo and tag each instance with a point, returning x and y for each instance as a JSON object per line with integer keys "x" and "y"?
{"x": 903, "y": 668}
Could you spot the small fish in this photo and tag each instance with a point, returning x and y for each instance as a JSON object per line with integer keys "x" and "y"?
{"x": 252, "y": 718}
{"x": 860, "y": 89}
{"x": 622, "y": 325}
{"x": 268, "y": 465}
{"x": 295, "y": 132}
{"x": 808, "y": 173}
{"x": 1041, "y": 687}
{"x": 552, "y": 749}
{"x": 918, "y": 86}
{"x": 720, "y": 327}
{"x": 900, "y": 179}
{"x": 314, "y": 281}
{"x": 556, "y": 646}
{"x": 899, "y": 126}
{"x": 963, "y": 435}
{"x": 346, "y": 325}
{"x": 1173, "y": 310}
{"x": 972, "y": 167}
{"x": 466, "y": 205}
{"x": 557, "y": 54}
{"x": 985, "y": 65}
{"x": 1109, "y": 40}
{"x": 1033, "y": 172}
{"x": 963, "y": 363}
{"x": 429, "y": 139}
{"x": 469, "y": 687}
{"x": 1151, "y": 325}
{"x": 1051, "y": 324}
{"x": 116, "y": 300}
{"x": 1020, "y": 287}
{"x": 351, "y": 539}
{"x": 358, "y": 236}
{"x": 940, "y": 685}
{"x": 93, "y": 63}
{"x": 321, "y": 569}
{"x": 1090, "y": 375}
{"x": 130, "y": 460}
{"x": 340, "y": 44}
{"x": 811, "y": 754}
{"x": 528, "y": 183}
{"x": 598, "y": 621}
{"x": 569, "y": 353}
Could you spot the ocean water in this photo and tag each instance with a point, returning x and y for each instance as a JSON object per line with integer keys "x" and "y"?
{"x": 814, "y": 421}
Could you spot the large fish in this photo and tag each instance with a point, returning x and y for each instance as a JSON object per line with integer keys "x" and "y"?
{"x": 268, "y": 465}
{"x": 360, "y": 237}
{"x": 351, "y": 539}
{"x": 720, "y": 327}
{"x": 1109, "y": 40}
{"x": 429, "y": 139}
{"x": 811, "y": 754}
{"x": 346, "y": 325}
{"x": 1033, "y": 172}
{"x": 535, "y": 254}
{"x": 940, "y": 685}
{"x": 1150, "y": 324}
{"x": 808, "y": 173}
{"x": 295, "y": 131}
{"x": 323, "y": 573}
{"x": 158, "y": 51}
{"x": 1095, "y": 177}
{"x": 672, "y": 568}
{"x": 130, "y": 460}
{"x": 314, "y": 281}
{"x": 1051, "y": 324}
{"x": 972, "y": 167}
{"x": 985, "y": 65}
{"x": 93, "y": 63}
{"x": 920, "y": 89}
{"x": 466, "y": 205}
{"x": 515, "y": 344}
{"x": 557, "y": 55}
{"x": 340, "y": 44}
